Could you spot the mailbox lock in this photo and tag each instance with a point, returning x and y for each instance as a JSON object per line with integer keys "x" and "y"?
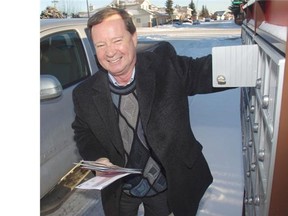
{"x": 221, "y": 79}
{"x": 265, "y": 101}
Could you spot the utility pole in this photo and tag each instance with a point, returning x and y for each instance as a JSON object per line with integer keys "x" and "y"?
{"x": 197, "y": 9}
{"x": 88, "y": 8}
{"x": 54, "y": 2}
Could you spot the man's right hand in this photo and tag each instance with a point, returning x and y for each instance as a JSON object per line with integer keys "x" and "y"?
{"x": 104, "y": 161}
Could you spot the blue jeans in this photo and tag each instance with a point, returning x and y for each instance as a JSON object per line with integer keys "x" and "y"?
{"x": 153, "y": 206}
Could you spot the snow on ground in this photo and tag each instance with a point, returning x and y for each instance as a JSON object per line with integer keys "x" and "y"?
{"x": 194, "y": 40}
{"x": 215, "y": 118}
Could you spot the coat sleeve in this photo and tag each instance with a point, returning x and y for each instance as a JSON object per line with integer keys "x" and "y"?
{"x": 87, "y": 143}
{"x": 195, "y": 74}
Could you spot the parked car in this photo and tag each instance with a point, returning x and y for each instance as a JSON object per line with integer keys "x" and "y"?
{"x": 67, "y": 57}
{"x": 207, "y": 19}
{"x": 187, "y": 21}
{"x": 174, "y": 21}
{"x": 196, "y": 22}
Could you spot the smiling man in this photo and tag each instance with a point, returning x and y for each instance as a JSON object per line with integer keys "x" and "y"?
{"x": 134, "y": 113}
{"x": 115, "y": 47}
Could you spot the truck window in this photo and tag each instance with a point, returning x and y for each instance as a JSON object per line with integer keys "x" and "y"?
{"x": 62, "y": 55}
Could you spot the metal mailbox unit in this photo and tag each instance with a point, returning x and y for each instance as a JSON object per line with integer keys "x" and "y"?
{"x": 259, "y": 66}
{"x": 260, "y": 109}
{"x": 263, "y": 111}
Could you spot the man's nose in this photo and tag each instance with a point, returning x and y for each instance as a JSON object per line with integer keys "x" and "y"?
{"x": 110, "y": 50}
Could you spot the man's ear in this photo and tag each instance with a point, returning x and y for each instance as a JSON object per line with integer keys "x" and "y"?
{"x": 135, "y": 39}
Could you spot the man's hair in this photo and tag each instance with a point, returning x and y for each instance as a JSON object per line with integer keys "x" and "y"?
{"x": 101, "y": 15}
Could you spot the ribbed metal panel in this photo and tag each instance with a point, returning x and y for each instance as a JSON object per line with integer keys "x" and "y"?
{"x": 236, "y": 65}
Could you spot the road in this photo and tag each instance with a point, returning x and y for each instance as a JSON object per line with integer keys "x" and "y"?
{"x": 187, "y": 30}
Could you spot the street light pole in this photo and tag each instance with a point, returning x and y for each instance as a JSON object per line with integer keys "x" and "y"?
{"x": 197, "y": 10}
{"x": 54, "y": 2}
{"x": 87, "y": 8}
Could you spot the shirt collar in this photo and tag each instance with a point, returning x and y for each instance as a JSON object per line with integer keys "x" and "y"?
{"x": 113, "y": 80}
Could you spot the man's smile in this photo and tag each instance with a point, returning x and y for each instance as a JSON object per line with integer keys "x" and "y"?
{"x": 114, "y": 60}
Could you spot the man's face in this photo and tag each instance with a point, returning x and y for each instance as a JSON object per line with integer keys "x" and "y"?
{"x": 115, "y": 46}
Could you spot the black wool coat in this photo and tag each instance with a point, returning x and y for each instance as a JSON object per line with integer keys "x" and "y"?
{"x": 163, "y": 82}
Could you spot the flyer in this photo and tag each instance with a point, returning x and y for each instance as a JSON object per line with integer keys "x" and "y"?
{"x": 105, "y": 175}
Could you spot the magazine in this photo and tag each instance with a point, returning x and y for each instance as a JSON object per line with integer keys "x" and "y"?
{"x": 105, "y": 174}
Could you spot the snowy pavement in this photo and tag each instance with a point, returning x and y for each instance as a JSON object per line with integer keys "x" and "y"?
{"x": 215, "y": 118}
{"x": 187, "y": 31}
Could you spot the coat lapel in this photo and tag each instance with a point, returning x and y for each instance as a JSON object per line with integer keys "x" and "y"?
{"x": 104, "y": 106}
{"x": 145, "y": 87}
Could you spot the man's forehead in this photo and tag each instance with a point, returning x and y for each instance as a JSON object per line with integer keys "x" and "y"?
{"x": 113, "y": 17}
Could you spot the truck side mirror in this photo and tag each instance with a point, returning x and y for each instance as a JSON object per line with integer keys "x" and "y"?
{"x": 50, "y": 87}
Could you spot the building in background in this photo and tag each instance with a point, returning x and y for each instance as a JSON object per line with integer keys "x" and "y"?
{"x": 144, "y": 13}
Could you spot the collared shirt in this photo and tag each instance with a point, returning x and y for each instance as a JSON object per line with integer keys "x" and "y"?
{"x": 113, "y": 80}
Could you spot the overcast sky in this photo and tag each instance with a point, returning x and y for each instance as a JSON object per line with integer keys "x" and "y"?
{"x": 212, "y": 5}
